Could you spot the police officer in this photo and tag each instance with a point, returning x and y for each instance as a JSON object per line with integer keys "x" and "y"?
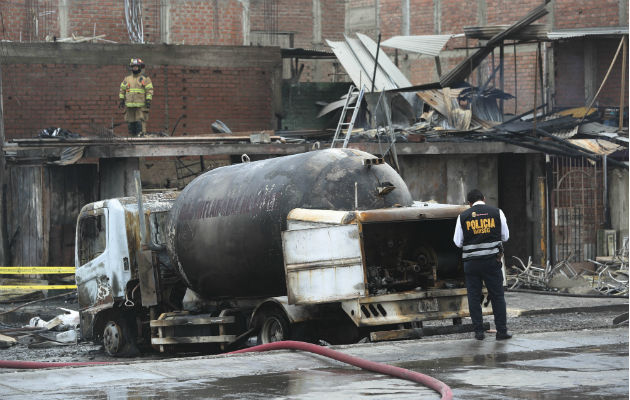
{"x": 136, "y": 93}
{"x": 480, "y": 232}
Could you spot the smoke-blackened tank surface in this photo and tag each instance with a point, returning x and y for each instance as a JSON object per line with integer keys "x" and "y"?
{"x": 224, "y": 228}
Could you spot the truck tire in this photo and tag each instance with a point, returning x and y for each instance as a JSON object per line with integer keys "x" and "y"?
{"x": 274, "y": 327}
{"x": 118, "y": 339}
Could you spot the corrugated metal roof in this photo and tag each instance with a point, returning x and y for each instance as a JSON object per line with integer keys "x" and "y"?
{"x": 430, "y": 45}
{"x": 583, "y": 32}
{"x": 357, "y": 57}
{"x": 600, "y": 147}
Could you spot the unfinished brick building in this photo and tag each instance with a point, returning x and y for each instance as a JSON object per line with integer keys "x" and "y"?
{"x": 222, "y": 59}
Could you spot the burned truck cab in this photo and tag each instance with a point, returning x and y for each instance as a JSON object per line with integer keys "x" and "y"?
{"x": 110, "y": 261}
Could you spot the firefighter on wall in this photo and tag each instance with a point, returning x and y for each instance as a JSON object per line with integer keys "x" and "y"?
{"x": 136, "y": 93}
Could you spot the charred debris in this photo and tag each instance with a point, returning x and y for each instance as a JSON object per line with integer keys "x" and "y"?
{"x": 452, "y": 110}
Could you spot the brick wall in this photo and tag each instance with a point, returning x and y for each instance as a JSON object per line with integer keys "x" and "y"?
{"x": 570, "y": 73}
{"x": 105, "y": 17}
{"x": 217, "y": 22}
{"x": 333, "y": 19}
{"x": 191, "y": 21}
{"x": 569, "y": 69}
{"x": 455, "y": 15}
{"x": 587, "y": 14}
{"x": 500, "y": 12}
{"x": 421, "y": 17}
{"x": 610, "y": 94}
{"x": 83, "y": 98}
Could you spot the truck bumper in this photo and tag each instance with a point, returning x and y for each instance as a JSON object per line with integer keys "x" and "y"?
{"x": 409, "y": 307}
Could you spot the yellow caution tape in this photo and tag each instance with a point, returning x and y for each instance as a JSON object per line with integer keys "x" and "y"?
{"x": 37, "y": 287}
{"x": 37, "y": 270}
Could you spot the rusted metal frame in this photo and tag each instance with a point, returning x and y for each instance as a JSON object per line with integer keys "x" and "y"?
{"x": 543, "y": 213}
{"x": 378, "y": 48}
{"x": 461, "y": 71}
{"x": 392, "y": 136}
{"x": 438, "y": 66}
{"x": 501, "y": 77}
{"x": 516, "y": 81}
{"x": 491, "y": 77}
{"x": 494, "y": 82}
{"x": 606, "y": 214}
{"x": 622, "y": 90}
{"x": 535, "y": 88}
{"x": 539, "y": 60}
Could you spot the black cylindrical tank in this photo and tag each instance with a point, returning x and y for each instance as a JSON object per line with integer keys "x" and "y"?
{"x": 224, "y": 228}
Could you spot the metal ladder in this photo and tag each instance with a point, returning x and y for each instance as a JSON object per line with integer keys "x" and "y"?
{"x": 342, "y": 119}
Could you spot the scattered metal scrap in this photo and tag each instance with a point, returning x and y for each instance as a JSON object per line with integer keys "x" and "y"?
{"x": 609, "y": 278}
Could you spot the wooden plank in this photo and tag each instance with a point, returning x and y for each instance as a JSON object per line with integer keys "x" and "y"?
{"x": 194, "y": 339}
{"x": 6, "y": 341}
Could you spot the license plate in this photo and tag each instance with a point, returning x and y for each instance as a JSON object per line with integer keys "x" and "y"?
{"x": 428, "y": 305}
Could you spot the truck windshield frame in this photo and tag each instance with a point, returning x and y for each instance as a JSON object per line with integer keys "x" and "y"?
{"x": 92, "y": 236}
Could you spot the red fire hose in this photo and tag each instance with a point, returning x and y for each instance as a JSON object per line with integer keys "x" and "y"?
{"x": 385, "y": 369}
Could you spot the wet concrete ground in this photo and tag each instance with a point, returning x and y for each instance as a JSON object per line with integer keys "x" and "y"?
{"x": 586, "y": 364}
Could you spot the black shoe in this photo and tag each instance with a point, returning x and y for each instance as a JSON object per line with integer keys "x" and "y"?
{"x": 503, "y": 336}
{"x": 479, "y": 335}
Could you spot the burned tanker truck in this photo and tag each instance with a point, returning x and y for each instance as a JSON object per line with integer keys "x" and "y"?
{"x": 325, "y": 245}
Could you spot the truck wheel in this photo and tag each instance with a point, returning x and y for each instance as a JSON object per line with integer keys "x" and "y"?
{"x": 118, "y": 340}
{"x": 275, "y": 328}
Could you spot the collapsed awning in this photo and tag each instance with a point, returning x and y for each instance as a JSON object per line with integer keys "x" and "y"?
{"x": 430, "y": 45}
{"x": 357, "y": 56}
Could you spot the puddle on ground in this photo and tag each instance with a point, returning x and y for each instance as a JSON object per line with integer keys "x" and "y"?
{"x": 586, "y": 373}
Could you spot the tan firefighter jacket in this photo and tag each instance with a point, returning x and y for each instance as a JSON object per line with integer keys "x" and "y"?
{"x": 135, "y": 90}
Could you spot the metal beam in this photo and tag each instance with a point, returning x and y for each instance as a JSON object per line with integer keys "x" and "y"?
{"x": 43, "y": 155}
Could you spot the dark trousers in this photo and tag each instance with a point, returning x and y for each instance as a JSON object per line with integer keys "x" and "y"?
{"x": 134, "y": 128}
{"x": 489, "y": 272}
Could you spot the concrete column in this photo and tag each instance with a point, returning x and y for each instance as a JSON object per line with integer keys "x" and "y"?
{"x": 63, "y": 18}
{"x": 245, "y": 22}
{"x": 405, "y": 23}
{"x": 437, "y": 17}
{"x": 590, "y": 70}
{"x": 165, "y": 21}
{"x": 317, "y": 22}
{"x": 623, "y": 10}
{"x": 618, "y": 198}
{"x": 482, "y": 12}
{"x": 552, "y": 14}
{"x": 117, "y": 177}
